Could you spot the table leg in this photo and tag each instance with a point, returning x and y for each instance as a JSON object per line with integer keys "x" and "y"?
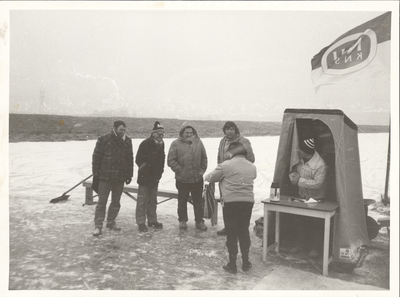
{"x": 277, "y": 230}
{"x": 325, "y": 262}
{"x": 215, "y": 214}
{"x": 265, "y": 234}
{"x": 89, "y": 196}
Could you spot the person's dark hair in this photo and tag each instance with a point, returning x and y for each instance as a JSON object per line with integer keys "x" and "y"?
{"x": 119, "y": 123}
{"x": 236, "y": 148}
{"x": 230, "y": 124}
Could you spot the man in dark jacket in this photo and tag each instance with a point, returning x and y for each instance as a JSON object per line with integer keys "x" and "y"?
{"x": 112, "y": 165}
{"x": 150, "y": 159}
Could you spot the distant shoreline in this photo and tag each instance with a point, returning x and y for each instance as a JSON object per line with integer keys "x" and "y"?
{"x": 41, "y": 127}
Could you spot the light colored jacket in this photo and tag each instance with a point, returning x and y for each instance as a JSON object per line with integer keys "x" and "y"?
{"x": 312, "y": 182}
{"x": 188, "y": 159}
{"x": 236, "y": 178}
{"x": 224, "y": 144}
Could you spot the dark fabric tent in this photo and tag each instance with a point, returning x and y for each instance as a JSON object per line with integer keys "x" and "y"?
{"x": 337, "y": 142}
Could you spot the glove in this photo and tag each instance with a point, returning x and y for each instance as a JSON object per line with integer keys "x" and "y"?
{"x": 128, "y": 181}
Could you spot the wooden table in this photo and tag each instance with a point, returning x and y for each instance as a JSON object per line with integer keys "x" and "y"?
{"x": 324, "y": 210}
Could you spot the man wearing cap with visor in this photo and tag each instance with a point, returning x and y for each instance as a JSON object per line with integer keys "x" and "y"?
{"x": 309, "y": 175}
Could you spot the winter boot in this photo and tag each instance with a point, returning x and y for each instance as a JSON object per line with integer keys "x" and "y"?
{"x": 97, "y": 231}
{"x": 201, "y": 226}
{"x": 231, "y": 266}
{"x": 182, "y": 225}
{"x": 246, "y": 264}
{"x": 113, "y": 226}
{"x": 142, "y": 228}
{"x": 156, "y": 225}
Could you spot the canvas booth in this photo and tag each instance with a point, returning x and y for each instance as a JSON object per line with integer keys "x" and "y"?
{"x": 336, "y": 140}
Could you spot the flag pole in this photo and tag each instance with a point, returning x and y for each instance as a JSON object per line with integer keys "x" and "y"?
{"x": 386, "y": 199}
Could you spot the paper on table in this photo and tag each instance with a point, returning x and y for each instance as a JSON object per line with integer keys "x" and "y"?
{"x": 311, "y": 200}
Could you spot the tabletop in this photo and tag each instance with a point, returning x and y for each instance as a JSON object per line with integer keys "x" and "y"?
{"x": 290, "y": 202}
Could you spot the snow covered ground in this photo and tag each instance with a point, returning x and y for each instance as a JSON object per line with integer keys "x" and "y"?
{"x": 47, "y": 169}
{"x": 52, "y": 247}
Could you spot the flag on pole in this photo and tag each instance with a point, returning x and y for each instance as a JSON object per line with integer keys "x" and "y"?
{"x": 361, "y": 53}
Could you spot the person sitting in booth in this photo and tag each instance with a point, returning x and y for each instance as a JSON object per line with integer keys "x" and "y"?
{"x": 309, "y": 175}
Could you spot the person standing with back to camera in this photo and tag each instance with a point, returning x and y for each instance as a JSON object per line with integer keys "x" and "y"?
{"x": 112, "y": 165}
{"x": 232, "y": 134}
{"x": 236, "y": 177}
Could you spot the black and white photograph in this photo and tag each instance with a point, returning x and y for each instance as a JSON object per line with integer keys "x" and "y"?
{"x": 199, "y": 147}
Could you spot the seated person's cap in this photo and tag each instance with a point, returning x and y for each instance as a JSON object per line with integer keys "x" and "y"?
{"x": 307, "y": 145}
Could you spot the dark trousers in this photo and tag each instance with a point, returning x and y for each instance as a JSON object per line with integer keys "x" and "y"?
{"x": 237, "y": 217}
{"x": 146, "y": 204}
{"x": 196, "y": 191}
{"x": 104, "y": 191}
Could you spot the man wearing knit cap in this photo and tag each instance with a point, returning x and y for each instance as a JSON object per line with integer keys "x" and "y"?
{"x": 309, "y": 175}
{"x": 150, "y": 159}
{"x": 112, "y": 166}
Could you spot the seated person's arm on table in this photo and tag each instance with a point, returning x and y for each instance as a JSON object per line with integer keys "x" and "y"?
{"x": 316, "y": 182}
{"x": 294, "y": 176}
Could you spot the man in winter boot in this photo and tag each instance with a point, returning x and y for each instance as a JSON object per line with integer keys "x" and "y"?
{"x": 246, "y": 264}
{"x": 150, "y": 159}
{"x": 231, "y": 266}
{"x": 236, "y": 178}
{"x": 187, "y": 157}
{"x": 112, "y": 166}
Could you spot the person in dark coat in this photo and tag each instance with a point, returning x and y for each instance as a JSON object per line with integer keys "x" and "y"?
{"x": 112, "y": 166}
{"x": 150, "y": 160}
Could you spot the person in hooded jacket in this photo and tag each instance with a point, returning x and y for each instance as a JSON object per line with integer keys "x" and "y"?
{"x": 150, "y": 159}
{"x": 232, "y": 134}
{"x": 187, "y": 157}
{"x": 112, "y": 166}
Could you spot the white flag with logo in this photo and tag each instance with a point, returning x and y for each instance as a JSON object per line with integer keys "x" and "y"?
{"x": 361, "y": 53}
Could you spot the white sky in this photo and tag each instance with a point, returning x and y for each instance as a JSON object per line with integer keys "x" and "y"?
{"x": 186, "y": 60}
